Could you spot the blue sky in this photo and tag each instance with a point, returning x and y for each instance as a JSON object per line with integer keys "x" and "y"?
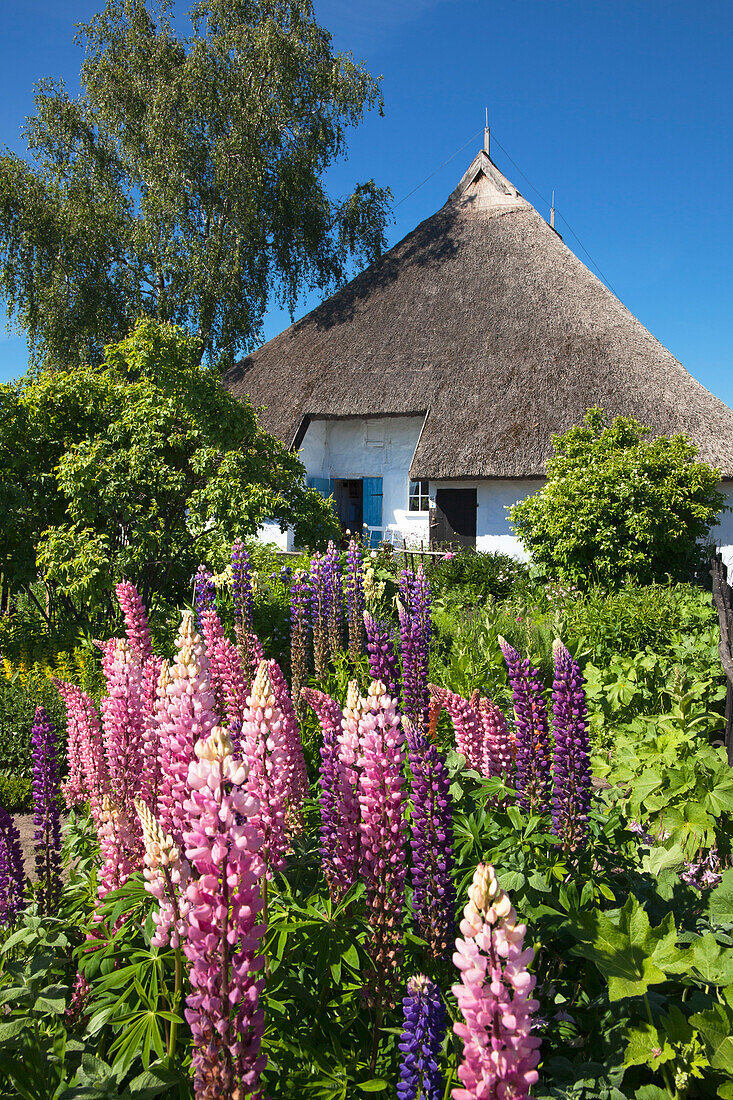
{"x": 622, "y": 107}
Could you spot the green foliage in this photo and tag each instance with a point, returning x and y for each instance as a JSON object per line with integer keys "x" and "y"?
{"x": 16, "y": 794}
{"x": 185, "y": 183}
{"x": 144, "y": 467}
{"x": 19, "y": 698}
{"x": 475, "y": 577}
{"x": 617, "y": 505}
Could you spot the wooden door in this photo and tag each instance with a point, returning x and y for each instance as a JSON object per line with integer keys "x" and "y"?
{"x": 455, "y": 517}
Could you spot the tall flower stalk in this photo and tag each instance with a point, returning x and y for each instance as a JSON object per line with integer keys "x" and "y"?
{"x": 46, "y": 812}
{"x": 300, "y": 602}
{"x": 328, "y": 713}
{"x": 354, "y": 585}
{"x": 415, "y": 630}
{"x": 204, "y": 592}
{"x": 383, "y": 662}
{"x": 500, "y": 1054}
{"x": 12, "y": 871}
{"x": 571, "y": 773}
{"x": 334, "y": 596}
{"x": 265, "y": 751}
{"x": 222, "y": 924}
{"x": 89, "y": 778}
{"x": 319, "y": 597}
{"x": 383, "y": 833}
{"x": 532, "y": 751}
{"x": 421, "y": 1041}
{"x": 431, "y": 841}
{"x": 136, "y": 621}
{"x": 242, "y": 590}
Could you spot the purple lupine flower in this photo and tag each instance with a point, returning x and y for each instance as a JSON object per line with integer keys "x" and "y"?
{"x": 319, "y": 614}
{"x": 532, "y": 751}
{"x": 12, "y": 871}
{"x": 571, "y": 775}
{"x": 242, "y": 587}
{"x": 204, "y": 592}
{"x": 383, "y": 662}
{"x": 46, "y": 814}
{"x": 335, "y": 594}
{"x": 421, "y": 1041}
{"x": 355, "y": 599}
{"x": 328, "y": 713}
{"x": 300, "y": 601}
{"x": 414, "y": 615}
{"x": 431, "y": 841}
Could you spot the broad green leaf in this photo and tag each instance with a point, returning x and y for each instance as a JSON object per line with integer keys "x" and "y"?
{"x": 720, "y": 904}
{"x": 647, "y": 1047}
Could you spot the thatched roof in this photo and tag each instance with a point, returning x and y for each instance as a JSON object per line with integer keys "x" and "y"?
{"x": 483, "y": 319}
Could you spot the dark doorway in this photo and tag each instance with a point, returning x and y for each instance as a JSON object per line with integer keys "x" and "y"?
{"x": 350, "y": 503}
{"x": 454, "y": 518}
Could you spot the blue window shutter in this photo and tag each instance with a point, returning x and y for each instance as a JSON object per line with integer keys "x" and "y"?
{"x": 324, "y": 485}
{"x": 373, "y": 506}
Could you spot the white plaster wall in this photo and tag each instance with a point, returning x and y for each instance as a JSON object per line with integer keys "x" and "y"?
{"x": 270, "y": 533}
{"x": 722, "y": 535}
{"x": 375, "y": 447}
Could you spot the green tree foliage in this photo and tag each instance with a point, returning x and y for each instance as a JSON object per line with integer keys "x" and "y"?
{"x": 142, "y": 467}
{"x": 185, "y": 183}
{"x": 618, "y": 505}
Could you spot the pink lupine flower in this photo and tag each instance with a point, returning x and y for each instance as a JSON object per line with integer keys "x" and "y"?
{"x": 382, "y": 799}
{"x": 299, "y": 787}
{"x": 497, "y": 755}
{"x": 120, "y": 835}
{"x": 348, "y": 823}
{"x": 85, "y": 731}
{"x": 265, "y": 751}
{"x": 166, "y": 878}
{"x": 188, "y": 715}
{"x": 155, "y": 681}
{"x": 467, "y": 725}
{"x": 136, "y": 621}
{"x": 328, "y": 713}
{"x": 225, "y": 668}
{"x": 223, "y": 932}
{"x": 500, "y": 1055}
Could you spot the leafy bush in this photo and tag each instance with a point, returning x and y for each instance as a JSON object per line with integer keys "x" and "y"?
{"x": 477, "y": 576}
{"x": 19, "y": 697}
{"x": 16, "y": 795}
{"x": 617, "y": 505}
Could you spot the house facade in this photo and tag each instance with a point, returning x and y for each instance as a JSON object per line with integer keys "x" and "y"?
{"x": 423, "y": 396}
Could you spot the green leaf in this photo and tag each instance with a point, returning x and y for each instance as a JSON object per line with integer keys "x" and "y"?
{"x": 647, "y": 1047}
{"x": 720, "y": 903}
{"x": 630, "y": 954}
{"x": 377, "y": 1084}
{"x": 713, "y": 963}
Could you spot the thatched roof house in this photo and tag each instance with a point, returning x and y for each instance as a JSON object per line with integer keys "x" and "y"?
{"x": 483, "y": 334}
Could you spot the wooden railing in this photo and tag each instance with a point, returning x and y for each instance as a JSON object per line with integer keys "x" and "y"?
{"x": 723, "y": 600}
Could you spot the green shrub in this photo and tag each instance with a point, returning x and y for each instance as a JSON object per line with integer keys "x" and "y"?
{"x": 19, "y": 698}
{"x": 16, "y": 795}
{"x": 478, "y": 576}
{"x": 617, "y": 505}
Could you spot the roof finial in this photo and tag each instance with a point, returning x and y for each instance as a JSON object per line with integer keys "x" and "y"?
{"x": 487, "y": 134}
{"x": 552, "y": 212}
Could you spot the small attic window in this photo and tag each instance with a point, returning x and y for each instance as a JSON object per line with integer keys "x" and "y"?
{"x": 375, "y": 433}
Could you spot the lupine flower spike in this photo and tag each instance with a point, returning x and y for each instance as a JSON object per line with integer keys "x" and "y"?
{"x": 136, "y": 621}
{"x": 298, "y": 786}
{"x": 319, "y": 596}
{"x": 421, "y": 1041}
{"x": 46, "y": 813}
{"x": 12, "y": 872}
{"x": 223, "y": 929}
{"x": 300, "y": 600}
{"x": 414, "y": 615}
{"x": 533, "y": 739}
{"x": 431, "y": 841}
{"x": 265, "y": 751}
{"x": 354, "y": 598}
{"x": 328, "y": 713}
{"x": 383, "y": 662}
{"x": 571, "y": 774}
{"x": 500, "y": 1054}
{"x": 204, "y": 592}
{"x": 120, "y": 836}
{"x": 334, "y": 596}
{"x": 383, "y": 832}
{"x": 166, "y": 876}
{"x": 348, "y": 839}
